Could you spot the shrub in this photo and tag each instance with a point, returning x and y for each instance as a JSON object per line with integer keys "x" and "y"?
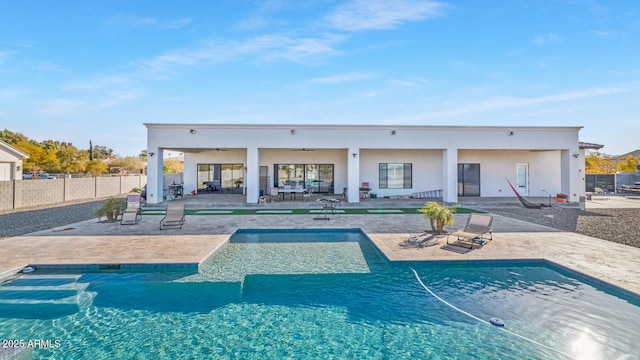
{"x": 111, "y": 209}
{"x": 438, "y": 215}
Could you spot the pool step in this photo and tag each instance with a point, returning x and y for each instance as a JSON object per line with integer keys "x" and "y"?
{"x": 47, "y": 290}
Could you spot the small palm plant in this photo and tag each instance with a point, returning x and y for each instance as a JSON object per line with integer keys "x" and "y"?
{"x": 111, "y": 209}
{"x": 438, "y": 215}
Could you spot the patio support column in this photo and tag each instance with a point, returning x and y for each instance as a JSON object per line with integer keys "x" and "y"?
{"x": 353, "y": 175}
{"x": 570, "y": 173}
{"x": 450, "y": 175}
{"x": 253, "y": 175}
{"x": 154, "y": 176}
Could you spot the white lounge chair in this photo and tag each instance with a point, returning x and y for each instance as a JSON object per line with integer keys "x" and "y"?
{"x": 474, "y": 233}
{"x": 132, "y": 213}
{"x": 174, "y": 216}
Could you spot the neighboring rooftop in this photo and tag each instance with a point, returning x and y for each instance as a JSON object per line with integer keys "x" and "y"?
{"x": 590, "y": 146}
{"x": 633, "y": 154}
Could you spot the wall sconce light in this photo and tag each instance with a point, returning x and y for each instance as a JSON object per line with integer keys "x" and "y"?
{"x": 193, "y": 131}
{"x": 393, "y": 132}
{"x": 510, "y": 133}
{"x": 293, "y": 131}
{"x": 576, "y": 155}
{"x": 18, "y": 168}
{"x": 151, "y": 154}
{"x": 354, "y": 154}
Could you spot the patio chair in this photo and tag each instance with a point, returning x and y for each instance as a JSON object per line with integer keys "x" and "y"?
{"x": 364, "y": 190}
{"x": 307, "y": 194}
{"x": 132, "y": 213}
{"x": 274, "y": 194}
{"x": 475, "y": 232}
{"x": 174, "y": 216}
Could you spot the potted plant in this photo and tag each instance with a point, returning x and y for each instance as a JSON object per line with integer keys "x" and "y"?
{"x": 111, "y": 209}
{"x": 438, "y": 215}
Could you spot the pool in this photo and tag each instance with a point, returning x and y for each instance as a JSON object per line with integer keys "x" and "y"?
{"x": 317, "y": 294}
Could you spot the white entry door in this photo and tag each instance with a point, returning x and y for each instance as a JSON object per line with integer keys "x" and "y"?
{"x": 5, "y": 171}
{"x": 522, "y": 179}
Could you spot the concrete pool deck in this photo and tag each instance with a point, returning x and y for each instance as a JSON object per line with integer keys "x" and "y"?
{"x": 90, "y": 242}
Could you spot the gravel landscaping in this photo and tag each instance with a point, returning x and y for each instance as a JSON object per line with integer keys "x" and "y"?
{"x": 22, "y": 222}
{"x": 617, "y": 225}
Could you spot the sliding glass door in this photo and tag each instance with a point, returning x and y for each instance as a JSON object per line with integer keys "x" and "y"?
{"x": 221, "y": 178}
{"x": 318, "y": 177}
{"x": 468, "y": 179}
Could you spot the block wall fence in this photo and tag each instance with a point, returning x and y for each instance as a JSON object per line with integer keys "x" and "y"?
{"x": 17, "y": 194}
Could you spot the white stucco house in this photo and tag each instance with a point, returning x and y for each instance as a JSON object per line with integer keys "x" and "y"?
{"x": 10, "y": 162}
{"x": 459, "y": 161}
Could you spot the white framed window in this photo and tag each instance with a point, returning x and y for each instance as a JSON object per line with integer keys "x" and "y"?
{"x": 395, "y": 176}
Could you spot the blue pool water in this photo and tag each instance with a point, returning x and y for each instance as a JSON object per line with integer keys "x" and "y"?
{"x": 321, "y": 294}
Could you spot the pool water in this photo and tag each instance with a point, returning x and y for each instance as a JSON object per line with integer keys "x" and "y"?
{"x": 321, "y": 294}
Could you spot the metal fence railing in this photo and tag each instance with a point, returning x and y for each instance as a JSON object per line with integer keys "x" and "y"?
{"x": 609, "y": 183}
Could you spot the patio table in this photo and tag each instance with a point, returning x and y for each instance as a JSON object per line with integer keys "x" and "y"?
{"x": 292, "y": 192}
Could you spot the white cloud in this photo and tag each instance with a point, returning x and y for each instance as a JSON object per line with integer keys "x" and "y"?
{"x": 50, "y": 67}
{"x": 21, "y": 43}
{"x": 518, "y": 102}
{"x": 131, "y": 20}
{"x": 100, "y": 82}
{"x": 174, "y": 24}
{"x": 546, "y": 39}
{"x": 301, "y": 49}
{"x": 4, "y": 55}
{"x": 268, "y": 47}
{"x": 253, "y": 23}
{"x": 357, "y": 15}
{"x": 117, "y": 97}
{"x": 10, "y": 95}
{"x": 344, "y": 78}
{"x": 606, "y": 34}
{"x": 60, "y": 107}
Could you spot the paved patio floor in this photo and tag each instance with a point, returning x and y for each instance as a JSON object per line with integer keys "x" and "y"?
{"x": 396, "y": 235}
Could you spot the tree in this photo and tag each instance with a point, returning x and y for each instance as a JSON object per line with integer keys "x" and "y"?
{"x": 102, "y": 152}
{"x": 54, "y": 156}
{"x": 96, "y": 167}
{"x": 630, "y": 164}
{"x": 129, "y": 163}
{"x": 595, "y": 163}
{"x": 12, "y": 138}
{"x": 173, "y": 166}
{"x": 70, "y": 159}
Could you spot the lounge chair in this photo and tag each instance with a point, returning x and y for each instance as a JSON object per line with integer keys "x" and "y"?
{"x": 478, "y": 226}
{"x": 174, "y": 216}
{"x": 132, "y": 213}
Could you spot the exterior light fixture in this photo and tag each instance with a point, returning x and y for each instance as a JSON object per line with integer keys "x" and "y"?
{"x": 354, "y": 154}
{"x": 393, "y": 132}
{"x": 293, "y": 131}
{"x": 151, "y": 154}
{"x": 576, "y": 155}
{"x": 510, "y": 133}
{"x": 18, "y": 168}
{"x": 193, "y": 131}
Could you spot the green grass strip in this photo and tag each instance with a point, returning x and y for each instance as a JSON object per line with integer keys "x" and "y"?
{"x": 304, "y": 211}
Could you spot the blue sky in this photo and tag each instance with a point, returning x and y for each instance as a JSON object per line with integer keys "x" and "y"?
{"x": 96, "y": 70}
